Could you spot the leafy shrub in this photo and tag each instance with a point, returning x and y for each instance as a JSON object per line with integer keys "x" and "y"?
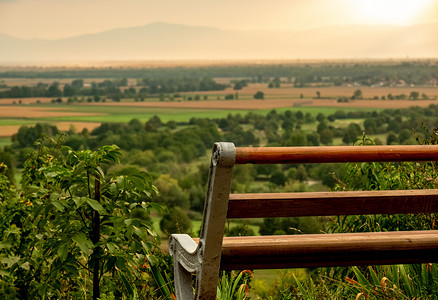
{"x": 175, "y": 221}
{"x": 74, "y": 229}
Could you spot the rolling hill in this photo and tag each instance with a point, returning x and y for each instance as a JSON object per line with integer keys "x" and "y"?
{"x": 161, "y": 41}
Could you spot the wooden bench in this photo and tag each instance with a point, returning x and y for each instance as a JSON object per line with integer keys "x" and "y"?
{"x": 212, "y": 252}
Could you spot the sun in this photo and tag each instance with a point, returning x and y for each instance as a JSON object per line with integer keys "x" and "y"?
{"x": 393, "y": 12}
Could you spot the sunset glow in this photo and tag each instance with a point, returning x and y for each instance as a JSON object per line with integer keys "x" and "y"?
{"x": 393, "y": 12}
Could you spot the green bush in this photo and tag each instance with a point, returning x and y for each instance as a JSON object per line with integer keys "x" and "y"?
{"x": 175, "y": 221}
{"x": 75, "y": 231}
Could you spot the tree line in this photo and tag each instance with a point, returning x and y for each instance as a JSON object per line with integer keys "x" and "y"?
{"x": 114, "y": 89}
{"x": 418, "y": 72}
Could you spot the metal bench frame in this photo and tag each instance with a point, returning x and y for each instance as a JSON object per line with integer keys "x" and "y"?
{"x": 203, "y": 257}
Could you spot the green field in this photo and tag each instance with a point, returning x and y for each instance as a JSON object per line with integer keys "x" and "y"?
{"x": 12, "y": 121}
{"x": 127, "y": 113}
{"x": 5, "y": 141}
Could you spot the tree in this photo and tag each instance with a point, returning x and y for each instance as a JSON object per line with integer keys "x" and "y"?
{"x": 240, "y": 85}
{"x": 77, "y": 83}
{"x": 259, "y": 95}
{"x": 404, "y": 136}
{"x": 320, "y": 117}
{"x": 54, "y": 90}
{"x": 370, "y": 126}
{"x": 308, "y": 118}
{"x": 300, "y": 174}
{"x": 392, "y": 139}
{"x": 414, "y": 95}
{"x": 326, "y": 136}
{"x": 176, "y": 221}
{"x": 171, "y": 193}
{"x": 287, "y": 124}
{"x": 79, "y": 221}
{"x": 69, "y": 90}
{"x": 351, "y": 133}
{"x": 26, "y": 136}
{"x": 278, "y": 178}
{"x": 297, "y": 138}
{"x": 153, "y": 123}
{"x": 340, "y": 114}
{"x": 357, "y": 94}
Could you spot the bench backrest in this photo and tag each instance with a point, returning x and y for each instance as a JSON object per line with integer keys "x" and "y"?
{"x": 204, "y": 258}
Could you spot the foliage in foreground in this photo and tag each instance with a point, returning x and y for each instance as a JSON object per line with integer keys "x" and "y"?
{"x": 73, "y": 229}
{"x": 233, "y": 285}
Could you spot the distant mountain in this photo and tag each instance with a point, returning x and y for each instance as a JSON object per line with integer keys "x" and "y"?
{"x": 158, "y": 41}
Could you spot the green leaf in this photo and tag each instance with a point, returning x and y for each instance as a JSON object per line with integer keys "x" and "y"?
{"x": 151, "y": 232}
{"x": 54, "y": 196}
{"x": 42, "y": 290}
{"x": 100, "y": 172}
{"x": 82, "y": 242}
{"x": 25, "y": 266}
{"x": 10, "y": 260}
{"x": 13, "y": 229}
{"x": 152, "y": 260}
{"x": 5, "y": 245}
{"x": 4, "y": 272}
{"x": 111, "y": 247}
{"x": 159, "y": 208}
{"x": 63, "y": 251}
{"x": 147, "y": 246}
{"x": 138, "y": 181}
{"x": 79, "y": 201}
{"x": 51, "y": 174}
{"x": 59, "y": 205}
{"x": 140, "y": 233}
{"x": 95, "y": 205}
{"x": 374, "y": 277}
{"x": 121, "y": 182}
{"x": 131, "y": 291}
{"x": 113, "y": 188}
{"x": 120, "y": 262}
{"x": 360, "y": 277}
{"x": 161, "y": 282}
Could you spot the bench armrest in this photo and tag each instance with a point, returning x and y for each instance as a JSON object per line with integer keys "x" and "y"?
{"x": 184, "y": 250}
{"x": 186, "y": 261}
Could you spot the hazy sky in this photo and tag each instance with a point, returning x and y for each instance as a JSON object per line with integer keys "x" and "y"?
{"x": 52, "y": 19}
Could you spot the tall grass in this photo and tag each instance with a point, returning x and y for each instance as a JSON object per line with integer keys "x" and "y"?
{"x": 395, "y": 282}
{"x": 233, "y": 286}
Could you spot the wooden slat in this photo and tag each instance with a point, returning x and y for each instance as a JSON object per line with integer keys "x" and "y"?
{"x": 268, "y": 205}
{"x": 335, "y": 154}
{"x": 320, "y": 250}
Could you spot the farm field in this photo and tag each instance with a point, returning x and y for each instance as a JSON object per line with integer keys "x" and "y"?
{"x": 289, "y": 91}
{"x": 15, "y": 112}
{"x": 12, "y": 117}
{"x": 91, "y": 116}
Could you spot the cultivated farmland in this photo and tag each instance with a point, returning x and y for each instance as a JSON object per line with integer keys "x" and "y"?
{"x": 89, "y": 115}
